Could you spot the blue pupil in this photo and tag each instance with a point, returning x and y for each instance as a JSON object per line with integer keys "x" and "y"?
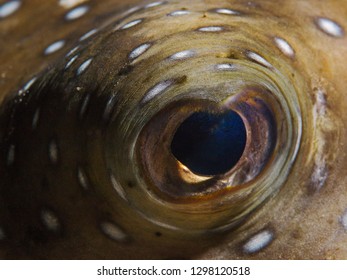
{"x": 210, "y": 144}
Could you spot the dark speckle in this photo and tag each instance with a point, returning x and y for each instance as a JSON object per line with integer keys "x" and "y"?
{"x": 158, "y": 234}
{"x": 130, "y": 184}
{"x": 181, "y": 80}
{"x": 126, "y": 70}
{"x": 297, "y": 234}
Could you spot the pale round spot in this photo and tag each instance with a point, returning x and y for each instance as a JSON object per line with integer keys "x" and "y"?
{"x": 77, "y": 13}
{"x": 2, "y": 234}
{"x": 82, "y": 178}
{"x": 132, "y": 10}
{"x": 154, "y": 4}
{"x": 139, "y": 51}
{"x": 211, "y": 29}
{"x": 179, "y": 13}
{"x": 56, "y": 46}
{"x": 330, "y": 27}
{"x": 72, "y": 60}
{"x": 158, "y": 89}
{"x": 11, "y": 153}
{"x": 88, "y": 34}
{"x": 182, "y": 55}
{"x": 109, "y": 108}
{"x": 68, "y": 4}
{"x": 344, "y": 220}
{"x": 258, "y": 242}
{"x": 50, "y": 220}
{"x": 259, "y": 59}
{"x": 71, "y": 52}
{"x": 320, "y": 172}
{"x": 227, "y": 12}
{"x": 225, "y": 67}
{"x": 53, "y": 152}
{"x": 118, "y": 188}
{"x": 36, "y": 118}
{"x": 9, "y": 8}
{"x": 84, "y": 66}
{"x": 27, "y": 86}
{"x": 131, "y": 24}
{"x": 84, "y": 106}
{"x": 284, "y": 47}
{"x": 113, "y": 231}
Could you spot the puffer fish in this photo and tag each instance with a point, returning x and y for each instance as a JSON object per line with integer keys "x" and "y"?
{"x": 173, "y": 129}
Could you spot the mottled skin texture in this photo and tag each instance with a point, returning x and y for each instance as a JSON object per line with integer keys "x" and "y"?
{"x": 305, "y": 217}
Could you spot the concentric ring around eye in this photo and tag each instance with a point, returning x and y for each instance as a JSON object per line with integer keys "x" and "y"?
{"x": 220, "y": 141}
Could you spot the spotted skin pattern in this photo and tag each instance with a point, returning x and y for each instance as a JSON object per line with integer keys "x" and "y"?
{"x": 58, "y": 197}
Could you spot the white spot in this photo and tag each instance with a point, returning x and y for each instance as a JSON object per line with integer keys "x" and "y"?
{"x": 139, "y": 51}
{"x": 182, "y": 55}
{"x": 36, "y": 118}
{"x": 53, "y": 152}
{"x": 284, "y": 46}
{"x": 156, "y": 90}
{"x": 227, "y": 12}
{"x": 72, "y": 60}
{"x": 179, "y": 13}
{"x": 344, "y": 220}
{"x": 211, "y": 29}
{"x": 67, "y": 4}
{"x": 330, "y": 27}
{"x": 84, "y": 66}
{"x": 82, "y": 178}
{"x": 154, "y": 4}
{"x": 132, "y": 10}
{"x": 320, "y": 172}
{"x": 11, "y": 154}
{"x": 84, "y": 106}
{"x": 118, "y": 188}
{"x": 131, "y": 23}
{"x": 72, "y": 51}
{"x": 9, "y": 8}
{"x": 77, "y": 13}
{"x": 258, "y": 242}
{"x": 113, "y": 231}
{"x": 27, "y": 86}
{"x": 88, "y": 34}
{"x": 257, "y": 58}
{"x": 50, "y": 220}
{"x": 109, "y": 107}
{"x": 225, "y": 67}
{"x": 2, "y": 234}
{"x": 56, "y": 46}
{"x": 321, "y": 102}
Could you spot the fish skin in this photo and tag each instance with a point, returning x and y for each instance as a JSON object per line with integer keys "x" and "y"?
{"x": 304, "y": 217}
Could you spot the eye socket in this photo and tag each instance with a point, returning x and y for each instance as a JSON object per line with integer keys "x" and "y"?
{"x": 208, "y": 143}
{"x": 200, "y": 143}
{"x": 195, "y": 149}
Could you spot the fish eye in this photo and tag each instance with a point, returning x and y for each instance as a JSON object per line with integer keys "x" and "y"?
{"x": 215, "y": 139}
{"x": 174, "y": 123}
{"x": 208, "y": 143}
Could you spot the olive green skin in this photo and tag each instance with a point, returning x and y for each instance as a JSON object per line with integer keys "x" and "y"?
{"x": 303, "y": 206}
